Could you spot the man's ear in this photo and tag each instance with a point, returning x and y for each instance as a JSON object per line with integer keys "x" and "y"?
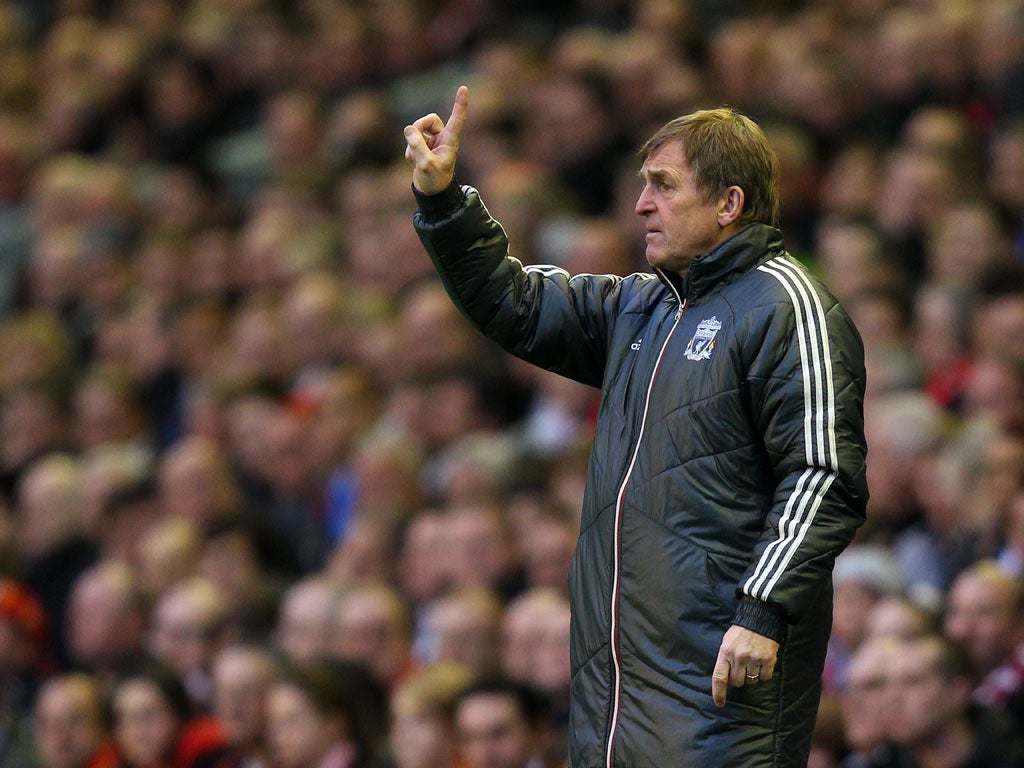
{"x": 730, "y": 206}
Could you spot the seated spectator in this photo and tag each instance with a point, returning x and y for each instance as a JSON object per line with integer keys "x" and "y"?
{"x": 372, "y": 627}
{"x": 901, "y": 618}
{"x": 501, "y": 724}
{"x": 536, "y": 652}
{"x": 547, "y": 544}
{"x": 864, "y": 704}
{"x": 422, "y": 730}
{"x": 863, "y": 575}
{"x": 317, "y": 718}
{"x": 463, "y": 628}
{"x": 933, "y": 721}
{"x": 53, "y": 548}
{"x": 305, "y": 619}
{"x": 106, "y": 621}
{"x": 185, "y": 631}
{"x": 985, "y": 613}
{"x": 71, "y": 729}
{"x": 242, "y": 676}
{"x": 481, "y": 549}
{"x": 167, "y": 552}
{"x": 155, "y": 726}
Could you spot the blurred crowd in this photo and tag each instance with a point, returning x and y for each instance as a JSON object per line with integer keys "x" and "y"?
{"x": 267, "y": 501}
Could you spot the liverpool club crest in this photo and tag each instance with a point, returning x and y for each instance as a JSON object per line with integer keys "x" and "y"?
{"x": 703, "y": 341}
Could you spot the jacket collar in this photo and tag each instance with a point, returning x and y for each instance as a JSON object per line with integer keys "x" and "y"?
{"x": 727, "y": 261}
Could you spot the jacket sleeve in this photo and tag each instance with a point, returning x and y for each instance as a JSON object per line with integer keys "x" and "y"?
{"x": 806, "y": 383}
{"x": 540, "y": 314}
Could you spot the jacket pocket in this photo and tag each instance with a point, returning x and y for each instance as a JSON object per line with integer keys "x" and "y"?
{"x": 723, "y": 573}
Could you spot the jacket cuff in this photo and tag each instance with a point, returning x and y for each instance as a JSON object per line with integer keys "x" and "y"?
{"x": 761, "y": 617}
{"x": 441, "y": 205}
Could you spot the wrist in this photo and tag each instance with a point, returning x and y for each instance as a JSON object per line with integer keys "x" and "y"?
{"x": 760, "y": 617}
{"x": 440, "y": 205}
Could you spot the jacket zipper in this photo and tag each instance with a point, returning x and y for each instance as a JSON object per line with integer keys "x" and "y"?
{"x": 617, "y": 548}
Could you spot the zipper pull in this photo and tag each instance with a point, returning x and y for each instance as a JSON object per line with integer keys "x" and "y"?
{"x": 682, "y": 308}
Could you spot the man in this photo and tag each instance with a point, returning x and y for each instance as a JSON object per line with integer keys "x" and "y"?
{"x": 303, "y": 629}
{"x": 985, "y": 613}
{"x": 187, "y": 626}
{"x": 70, "y": 726}
{"x": 727, "y": 468}
{"x": 106, "y": 622}
{"x": 931, "y": 715}
{"x": 864, "y": 702}
{"x": 372, "y": 626}
{"x": 242, "y": 675}
{"x": 501, "y": 724}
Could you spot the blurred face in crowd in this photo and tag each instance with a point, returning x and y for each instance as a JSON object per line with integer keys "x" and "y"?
{"x": 69, "y": 722}
{"x": 535, "y": 643}
{"x": 983, "y": 613}
{"x": 420, "y": 738}
{"x": 304, "y": 622}
{"x": 104, "y": 623}
{"x": 864, "y": 702}
{"x": 184, "y": 625}
{"x": 548, "y": 547}
{"x": 480, "y": 549}
{"x": 493, "y": 732}
{"x": 370, "y": 626}
{"x": 422, "y": 574}
{"x": 298, "y": 734}
{"x": 924, "y": 703}
{"x": 897, "y": 617}
{"x": 466, "y": 629}
{"x": 145, "y": 725}
{"x": 241, "y": 678}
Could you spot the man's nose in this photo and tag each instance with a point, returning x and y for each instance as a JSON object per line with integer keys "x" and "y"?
{"x": 645, "y": 203}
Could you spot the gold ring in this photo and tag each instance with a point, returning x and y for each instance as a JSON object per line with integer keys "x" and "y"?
{"x": 753, "y": 677}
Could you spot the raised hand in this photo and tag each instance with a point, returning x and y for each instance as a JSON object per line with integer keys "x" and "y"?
{"x": 433, "y": 146}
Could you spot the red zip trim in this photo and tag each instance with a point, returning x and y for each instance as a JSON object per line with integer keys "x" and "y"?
{"x": 617, "y": 549}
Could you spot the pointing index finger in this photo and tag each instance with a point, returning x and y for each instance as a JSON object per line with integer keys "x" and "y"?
{"x": 459, "y": 108}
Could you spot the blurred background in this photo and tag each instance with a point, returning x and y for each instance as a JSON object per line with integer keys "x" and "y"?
{"x": 266, "y": 500}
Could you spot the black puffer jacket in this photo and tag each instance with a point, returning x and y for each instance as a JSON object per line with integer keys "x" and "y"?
{"x": 726, "y": 473}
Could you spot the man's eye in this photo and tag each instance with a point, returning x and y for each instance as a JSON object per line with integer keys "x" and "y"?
{"x": 663, "y": 186}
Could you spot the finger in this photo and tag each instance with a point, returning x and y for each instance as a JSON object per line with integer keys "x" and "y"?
{"x": 720, "y": 681}
{"x": 431, "y": 124}
{"x": 738, "y": 675}
{"x": 417, "y": 149}
{"x": 767, "y": 672}
{"x": 751, "y": 675}
{"x": 459, "y": 109}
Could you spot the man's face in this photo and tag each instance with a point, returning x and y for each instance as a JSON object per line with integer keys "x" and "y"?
{"x": 680, "y": 225}
{"x": 68, "y": 725}
{"x": 864, "y": 701}
{"x": 980, "y": 614}
{"x": 492, "y": 732}
{"x": 144, "y": 724}
{"x": 924, "y": 704}
{"x": 240, "y": 682}
{"x": 297, "y": 734}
